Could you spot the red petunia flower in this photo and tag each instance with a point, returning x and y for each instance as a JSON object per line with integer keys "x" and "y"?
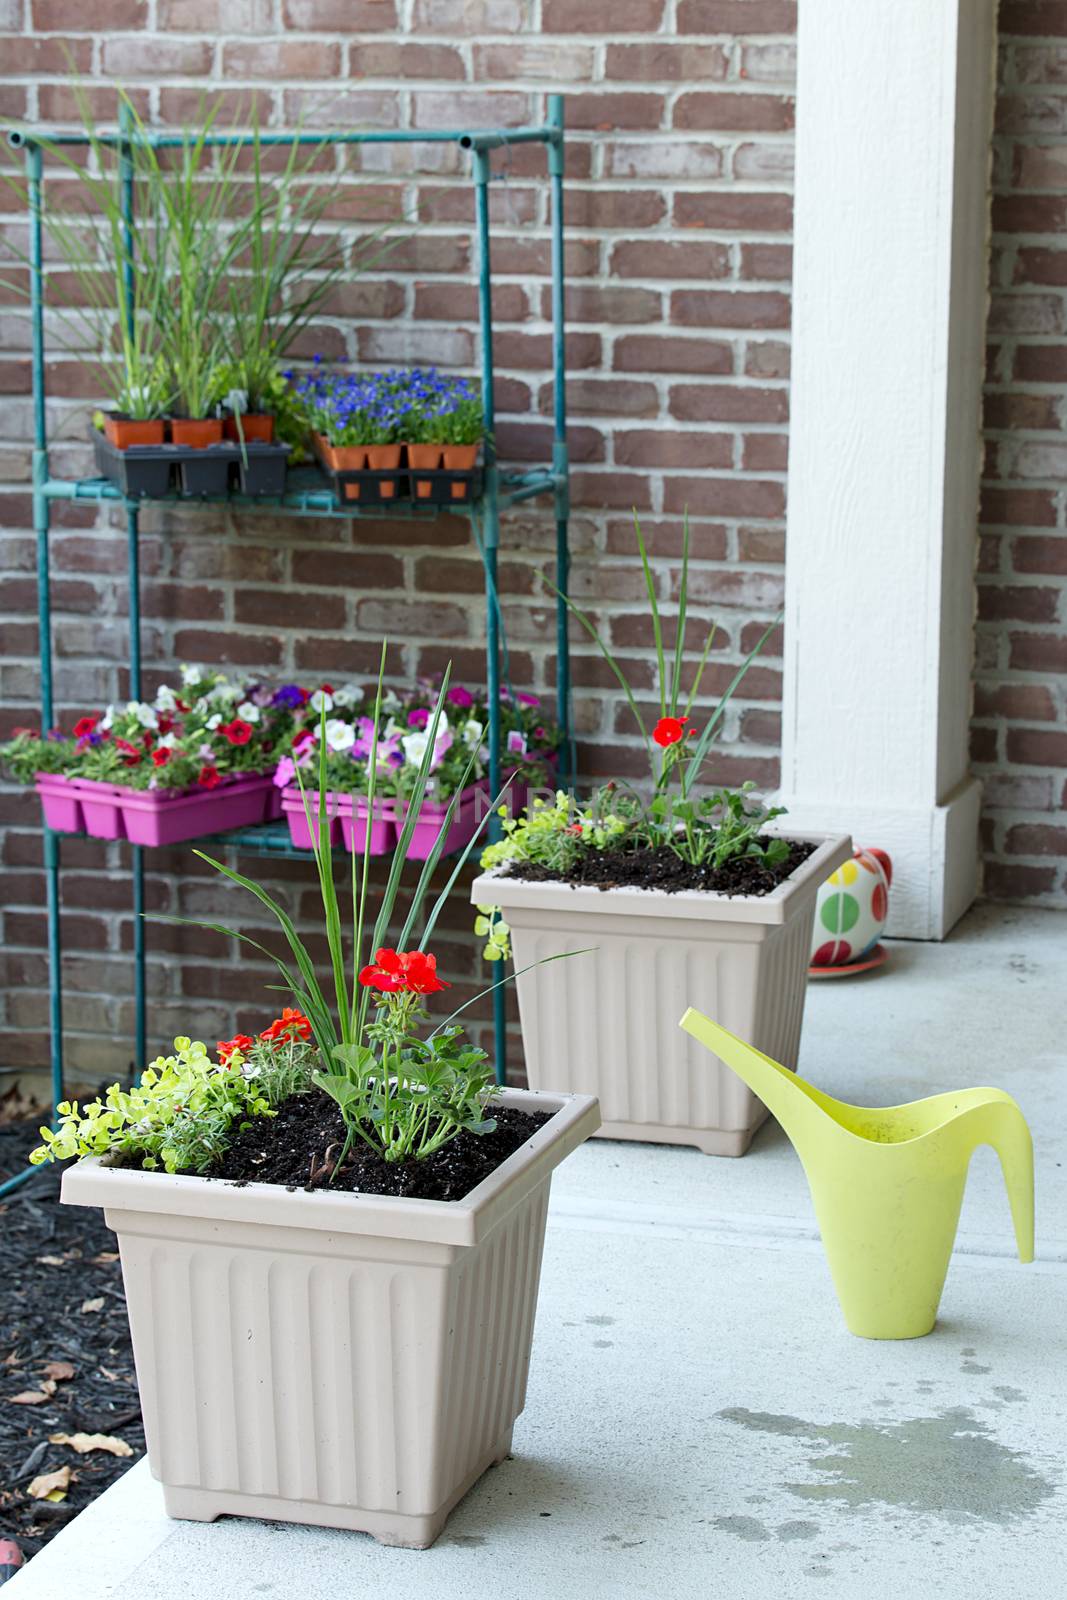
{"x": 292, "y": 1024}
{"x": 131, "y": 755}
{"x": 148, "y": 739}
{"x": 669, "y": 730}
{"x": 181, "y": 705}
{"x": 160, "y": 757}
{"x": 165, "y": 724}
{"x": 226, "y": 1047}
{"x": 403, "y": 971}
{"x": 237, "y": 731}
{"x": 84, "y": 727}
{"x": 209, "y": 776}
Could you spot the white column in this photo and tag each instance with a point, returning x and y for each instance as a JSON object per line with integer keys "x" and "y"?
{"x": 894, "y": 118}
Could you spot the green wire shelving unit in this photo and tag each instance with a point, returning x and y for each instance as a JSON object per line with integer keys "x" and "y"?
{"x": 308, "y": 495}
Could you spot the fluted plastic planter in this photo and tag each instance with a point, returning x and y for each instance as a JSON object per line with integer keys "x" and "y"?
{"x": 606, "y": 1023}
{"x": 348, "y": 817}
{"x": 349, "y": 1360}
{"x": 154, "y": 817}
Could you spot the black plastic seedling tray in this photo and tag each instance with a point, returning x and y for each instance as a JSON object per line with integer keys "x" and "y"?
{"x": 205, "y": 473}
{"x": 144, "y": 471}
{"x": 438, "y": 486}
{"x": 261, "y": 469}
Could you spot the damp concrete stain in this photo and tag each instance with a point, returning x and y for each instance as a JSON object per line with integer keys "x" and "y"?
{"x": 974, "y": 1367}
{"x": 751, "y": 1529}
{"x": 603, "y": 1344}
{"x": 790, "y": 1532}
{"x": 601, "y": 1322}
{"x": 1009, "y": 1394}
{"x": 949, "y": 1466}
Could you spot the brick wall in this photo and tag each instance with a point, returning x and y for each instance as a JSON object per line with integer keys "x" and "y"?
{"x": 679, "y": 203}
{"x": 678, "y": 211}
{"x": 1020, "y": 724}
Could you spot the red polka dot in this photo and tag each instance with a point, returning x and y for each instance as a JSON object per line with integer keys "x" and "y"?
{"x": 879, "y": 902}
{"x": 834, "y": 953}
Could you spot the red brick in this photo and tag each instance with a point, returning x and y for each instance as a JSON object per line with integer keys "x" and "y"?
{"x": 725, "y": 402}
{"x": 1002, "y": 881}
{"x": 606, "y": 397}
{"x": 768, "y": 263}
{"x": 1040, "y": 363}
{"x": 1038, "y": 652}
{"x": 769, "y": 63}
{"x": 724, "y": 497}
{"x": 588, "y": 302}
{"x": 1044, "y": 17}
{"x": 765, "y": 452}
{"x": 147, "y": 56}
{"x": 1018, "y": 508}
{"x": 404, "y": 619}
{"x": 348, "y": 569}
{"x": 1037, "y": 264}
{"x": 265, "y": 608}
{"x": 509, "y": 207}
{"x": 623, "y": 16}
{"x": 58, "y": 16}
{"x": 729, "y": 211}
{"x": 338, "y": 16}
{"x": 647, "y": 447}
{"x": 224, "y": 649}
{"x": 722, "y": 308}
{"x": 458, "y": 302}
{"x": 983, "y": 744}
{"x": 1017, "y": 603}
{"x": 214, "y": 16}
{"x": 281, "y": 58}
{"x": 622, "y": 209}
{"x": 1007, "y": 411}
{"x": 762, "y": 545}
{"x": 1030, "y": 213}
{"x": 534, "y": 350}
{"x": 40, "y": 57}
{"x": 764, "y": 162}
{"x": 439, "y": 575}
{"x": 523, "y": 440}
{"x": 604, "y": 112}
{"x": 664, "y": 61}
{"x": 767, "y": 359}
{"x": 470, "y": 108}
{"x": 1038, "y": 554}
{"x": 745, "y": 17}
{"x": 653, "y": 352}
{"x": 612, "y": 490}
{"x": 540, "y": 61}
{"x": 670, "y": 258}
{"x": 1024, "y": 702}
{"x": 734, "y": 113}
{"x": 1037, "y": 747}
{"x": 761, "y": 727}
{"x": 404, "y": 61}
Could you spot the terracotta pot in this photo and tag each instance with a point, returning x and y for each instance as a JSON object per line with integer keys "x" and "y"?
{"x": 356, "y": 1361}
{"x": 256, "y": 426}
{"x": 196, "y": 433}
{"x": 342, "y": 458}
{"x": 424, "y": 458}
{"x": 384, "y": 458}
{"x": 122, "y": 431}
{"x": 461, "y": 458}
{"x": 606, "y": 1023}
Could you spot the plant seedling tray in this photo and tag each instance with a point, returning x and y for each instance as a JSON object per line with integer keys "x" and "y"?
{"x": 143, "y": 471}
{"x": 440, "y": 486}
{"x": 261, "y": 468}
{"x": 205, "y": 473}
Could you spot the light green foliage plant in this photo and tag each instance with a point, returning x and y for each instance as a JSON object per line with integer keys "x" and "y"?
{"x": 181, "y": 1114}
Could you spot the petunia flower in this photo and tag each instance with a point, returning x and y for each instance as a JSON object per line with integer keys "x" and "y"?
{"x": 340, "y": 736}
{"x": 248, "y": 711}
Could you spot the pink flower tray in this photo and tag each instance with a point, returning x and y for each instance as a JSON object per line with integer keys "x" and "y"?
{"x": 154, "y": 817}
{"x": 348, "y": 816}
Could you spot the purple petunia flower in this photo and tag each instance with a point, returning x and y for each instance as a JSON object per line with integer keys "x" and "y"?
{"x": 418, "y": 718}
{"x": 460, "y": 697}
{"x": 290, "y": 695}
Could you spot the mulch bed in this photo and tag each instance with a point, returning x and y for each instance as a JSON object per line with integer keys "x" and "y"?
{"x": 298, "y": 1148}
{"x": 662, "y": 869}
{"x": 63, "y": 1306}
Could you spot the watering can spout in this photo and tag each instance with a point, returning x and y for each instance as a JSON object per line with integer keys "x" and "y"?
{"x": 791, "y": 1101}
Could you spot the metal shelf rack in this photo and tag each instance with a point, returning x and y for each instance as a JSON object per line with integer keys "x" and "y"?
{"x": 308, "y": 495}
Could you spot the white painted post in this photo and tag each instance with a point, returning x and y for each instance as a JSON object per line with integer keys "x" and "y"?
{"x": 894, "y": 111}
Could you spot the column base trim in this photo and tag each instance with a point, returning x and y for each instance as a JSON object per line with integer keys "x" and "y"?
{"x": 934, "y": 851}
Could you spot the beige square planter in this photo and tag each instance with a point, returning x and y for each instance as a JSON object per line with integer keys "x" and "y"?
{"x": 606, "y": 1023}
{"x": 348, "y": 1360}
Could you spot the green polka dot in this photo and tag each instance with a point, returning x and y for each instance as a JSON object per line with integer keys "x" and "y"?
{"x": 840, "y": 912}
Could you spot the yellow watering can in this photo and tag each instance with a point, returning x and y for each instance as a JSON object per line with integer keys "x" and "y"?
{"x": 887, "y": 1182}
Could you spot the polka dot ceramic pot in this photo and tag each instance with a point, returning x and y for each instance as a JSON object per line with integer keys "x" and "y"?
{"x": 851, "y": 910}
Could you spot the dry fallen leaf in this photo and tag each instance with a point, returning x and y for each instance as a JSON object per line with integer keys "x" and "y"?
{"x": 84, "y": 1442}
{"x": 60, "y": 1370}
{"x": 51, "y": 1261}
{"x": 34, "y": 1397}
{"x": 50, "y": 1485}
{"x": 104, "y": 1257}
{"x": 93, "y": 1305}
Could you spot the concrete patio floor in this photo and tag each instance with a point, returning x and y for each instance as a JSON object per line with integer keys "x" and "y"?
{"x": 698, "y": 1420}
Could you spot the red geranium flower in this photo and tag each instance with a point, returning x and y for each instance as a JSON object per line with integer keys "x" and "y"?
{"x": 84, "y": 727}
{"x": 292, "y": 1024}
{"x": 669, "y": 730}
{"x": 403, "y": 971}
{"x": 209, "y": 776}
{"x": 226, "y": 1047}
{"x": 160, "y": 757}
{"x": 237, "y": 731}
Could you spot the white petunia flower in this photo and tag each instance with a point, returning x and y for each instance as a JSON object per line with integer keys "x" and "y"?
{"x": 472, "y": 733}
{"x": 349, "y": 695}
{"x": 248, "y": 712}
{"x": 166, "y": 700}
{"x": 391, "y": 700}
{"x": 415, "y": 747}
{"x": 108, "y": 719}
{"x": 214, "y": 722}
{"x": 168, "y": 741}
{"x": 145, "y": 714}
{"x": 191, "y": 676}
{"x": 340, "y": 736}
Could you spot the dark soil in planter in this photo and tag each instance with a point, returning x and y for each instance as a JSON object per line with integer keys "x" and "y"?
{"x": 663, "y": 870}
{"x": 58, "y": 1263}
{"x": 294, "y": 1147}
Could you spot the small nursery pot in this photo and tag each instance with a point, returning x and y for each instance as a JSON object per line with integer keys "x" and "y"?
{"x": 341, "y": 457}
{"x": 423, "y": 458}
{"x": 257, "y": 427}
{"x": 354, "y": 1361}
{"x": 461, "y": 458}
{"x": 196, "y": 433}
{"x": 384, "y": 458}
{"x": 122, "y": 431}
{"x": 606, "y": 1022}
